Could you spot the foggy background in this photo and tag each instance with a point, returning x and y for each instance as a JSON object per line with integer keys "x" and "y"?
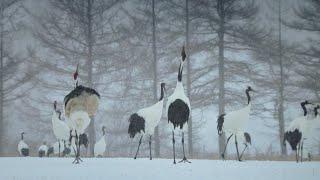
{"x": 127, "y": 48}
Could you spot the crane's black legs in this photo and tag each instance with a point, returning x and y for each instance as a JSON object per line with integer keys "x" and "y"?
{"x": 309, "y": 156}
{"x": 174, "y": 151}
{"x": 150, "y": 147}
{"x": 298, "y": 152}
{"x": 135, "y": 157}
{"x": 184, "y": 154}
{"x": 243, "y": 150}
{"x": 59, "y": 147}
{"x": 77, "y": 159}
{"x": 225, "y": 147}
{"x": 64, "y": 145}
{"x": 301, "y": 158}
{"x": 236, "y": 142}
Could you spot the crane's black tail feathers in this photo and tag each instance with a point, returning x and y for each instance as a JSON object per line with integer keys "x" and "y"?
{"x": 83, "y": 140}
{"x": 293, "y": 137}
{"x": 25, "y": 151}
{"x": 220, "y": 122}
{"x": 42, "y": 153}
{"x": 137, "y": 124}
{"x": 247, "y": 137}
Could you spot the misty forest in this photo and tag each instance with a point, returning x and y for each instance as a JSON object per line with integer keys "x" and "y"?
{"x": 177, "y": 79}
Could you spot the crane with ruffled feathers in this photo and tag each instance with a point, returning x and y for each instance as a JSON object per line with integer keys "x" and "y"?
{"x": 80, "y": 105}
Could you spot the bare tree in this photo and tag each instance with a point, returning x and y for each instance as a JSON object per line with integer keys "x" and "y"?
{"x": 307, "y": 20}
{"x": 12, "y": 77}
{"x": 228, "y": 20}
{"x": 281, "y": 88}
{"x": 82, "y": 32}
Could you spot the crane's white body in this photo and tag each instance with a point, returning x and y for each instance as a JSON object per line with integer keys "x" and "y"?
{"x": 79, "y": 121}
{"x": 306, "y": 125}
{"x": 100, "y": 147}
{"x": 236, "y": 121}
{"x": 152, "y": 116}
{"x": 60, "y": 128}
{"x": 178, "y": 94}
{"x": 44, "y": 148}
{"x": 22, "y": 145}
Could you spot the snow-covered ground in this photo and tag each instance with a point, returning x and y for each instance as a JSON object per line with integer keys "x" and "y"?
{"x": 157, "y": 169}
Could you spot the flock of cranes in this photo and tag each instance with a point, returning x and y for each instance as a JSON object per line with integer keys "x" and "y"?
{"x": 81, "y": 104}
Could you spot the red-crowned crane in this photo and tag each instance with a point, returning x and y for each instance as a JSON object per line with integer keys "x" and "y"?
{"x": 60, "y": 128}
{"x": 43, "y": 150}
{"x": 23, "y": 147}
{"x": 234, "y": 123}
{"x": 294, "y": 134}
{"x": 100, "y": 146}
{"x": 80, "y": 104}
{"x": 146, "y": 120}
{"x": 309, "y": 133}
{"x": 64, "y": 149}
{"x": 179, "y": 109}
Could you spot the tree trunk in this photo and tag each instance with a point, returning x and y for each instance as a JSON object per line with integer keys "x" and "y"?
{"x": 220, "y": 9}
{"x": 281, "y": 91}
{"x": 190, "y": 135}
{"x": 1, "y": 84}
{"x": 92, "y": 132}
{"x": 155, "y": 77}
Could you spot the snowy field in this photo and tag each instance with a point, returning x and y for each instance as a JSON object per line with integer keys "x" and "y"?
{"x": 158, "y": 169}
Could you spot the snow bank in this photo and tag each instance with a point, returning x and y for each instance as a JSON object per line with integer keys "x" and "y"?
{"x": 157, "y": 169}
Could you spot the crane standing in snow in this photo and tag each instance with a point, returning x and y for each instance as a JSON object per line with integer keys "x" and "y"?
{"x": 54, "y": 149}
{"x": 234, "y": 123}
{"x": 60, "y": 128}
{"x": 43, "y": 150}
{"x": 100, "y": 146}
{"x": 178, "y": 108}
{"x": 80, "y": 105}
{"x": 308, "y": 133}
{"x": 294, "y": 132}
{"x": 146, "y": 120}
{"x": 23, "y": 148}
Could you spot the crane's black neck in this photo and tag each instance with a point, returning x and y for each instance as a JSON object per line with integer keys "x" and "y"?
{"x": 76, "y": 84}
{"x": 21, "y": 136}
{"x": 162, "y": 94}
{"x": 248, "y": 96}
{"x": 70, "y": 137}
{"x": 59, "y": 112}
{"x": 316, "y": 111}
{"x": 103, "y": 131}
{"x": 180, "y": 72}
{"x": 303, "y": 105}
